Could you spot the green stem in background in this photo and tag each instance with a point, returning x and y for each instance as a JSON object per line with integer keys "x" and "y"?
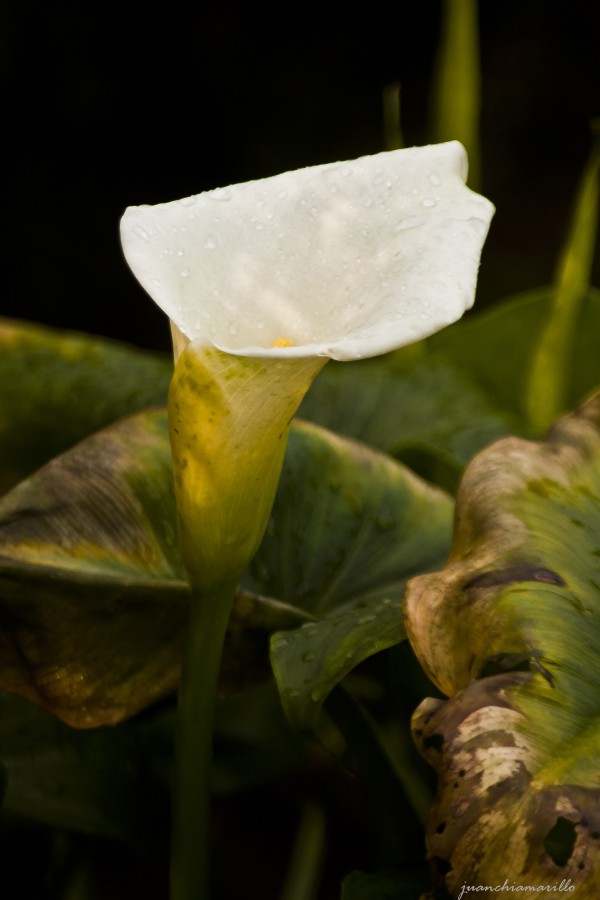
{"x": 190, "y": 847}
{"x": 456, "y": 92}
{"x": 392, "y": 128}
{"x": 378, "y": 774}
{"x": 550, "y": 373}
{"x": 302, "y": 881}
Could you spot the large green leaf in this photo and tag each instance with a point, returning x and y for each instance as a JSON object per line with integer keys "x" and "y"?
{"x": 89, "y": 781}
{"x": 448, "y": 397}
{"x": 409, "y": 400}
{"x": 93, "y": 600}
{"x": 495, "y": 349}
{"x": 58, "y": 387}
{"x": 510, "y": 630}
{"x": 349, "y": 526}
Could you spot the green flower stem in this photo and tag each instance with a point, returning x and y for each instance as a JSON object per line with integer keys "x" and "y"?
{"x": 190, "y": 848}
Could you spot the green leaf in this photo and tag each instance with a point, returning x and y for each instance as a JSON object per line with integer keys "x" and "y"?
{"x": 59, "y": 776}
{"x": 551, "y": 362}
{"x": 58, "y": 387}
{"x": 93, "y": 601}
{"x": 495, "y": 351}
{"x": 510, "y": 630}
{"x": 446, "y": 398}
{"x": 413, "y": 402}
{"x": 349, "y": 526}
{"x": 311, "y": 660}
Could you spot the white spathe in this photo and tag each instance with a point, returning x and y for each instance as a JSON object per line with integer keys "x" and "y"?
{"x": 347, "y": 260}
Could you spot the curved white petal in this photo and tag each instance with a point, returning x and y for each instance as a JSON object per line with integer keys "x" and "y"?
{"x": 345, "y": 260}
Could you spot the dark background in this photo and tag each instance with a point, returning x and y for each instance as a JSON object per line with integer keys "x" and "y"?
{"x": 105, "y": 109}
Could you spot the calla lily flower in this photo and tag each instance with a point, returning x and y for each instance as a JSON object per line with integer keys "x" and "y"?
{"x": 265, "y": 281}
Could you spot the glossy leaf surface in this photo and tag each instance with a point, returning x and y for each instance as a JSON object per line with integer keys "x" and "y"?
{"x": 349, "y": 526}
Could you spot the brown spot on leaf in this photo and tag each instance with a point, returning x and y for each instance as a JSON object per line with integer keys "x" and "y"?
{"x": 513, "y": 575}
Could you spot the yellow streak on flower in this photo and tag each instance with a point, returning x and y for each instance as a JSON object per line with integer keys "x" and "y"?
{"x": 229, "y": 418}
{"x": 282, "y": 342}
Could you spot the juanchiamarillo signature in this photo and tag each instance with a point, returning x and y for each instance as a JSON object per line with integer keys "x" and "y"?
{"x": 564, "y": 886}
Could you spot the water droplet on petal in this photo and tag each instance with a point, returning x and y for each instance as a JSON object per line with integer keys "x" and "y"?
{"x": 180, "y": 252}
{"x": 141, "y": 232}
{"x": 211, "y": 242}
{"x": 435, "y": 178}
{"x": 185, "y": 273}
{"x": 409, "y": 222}
{"x": 220, "y": 194}
{"x": 156, "y": 281}
{"x": 188, "y": 201}
{"x": 429, "y": 201}
{"x": 478, "y": 224}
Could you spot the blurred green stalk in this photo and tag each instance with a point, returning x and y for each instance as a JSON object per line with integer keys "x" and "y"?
{"x": 551, "y": 367}
{"x": 456, "y": 91}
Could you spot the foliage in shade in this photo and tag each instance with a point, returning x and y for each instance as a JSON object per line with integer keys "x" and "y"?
{"x": 92, "y": 595}
{"x": 510, "y": 631}
{"x": 56, "y": 387}
{"x": 59, "y": 776}
{"x": 456, "y": 392}
{"x": 93, "y": 598}
{"x": 349, "y": 526}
